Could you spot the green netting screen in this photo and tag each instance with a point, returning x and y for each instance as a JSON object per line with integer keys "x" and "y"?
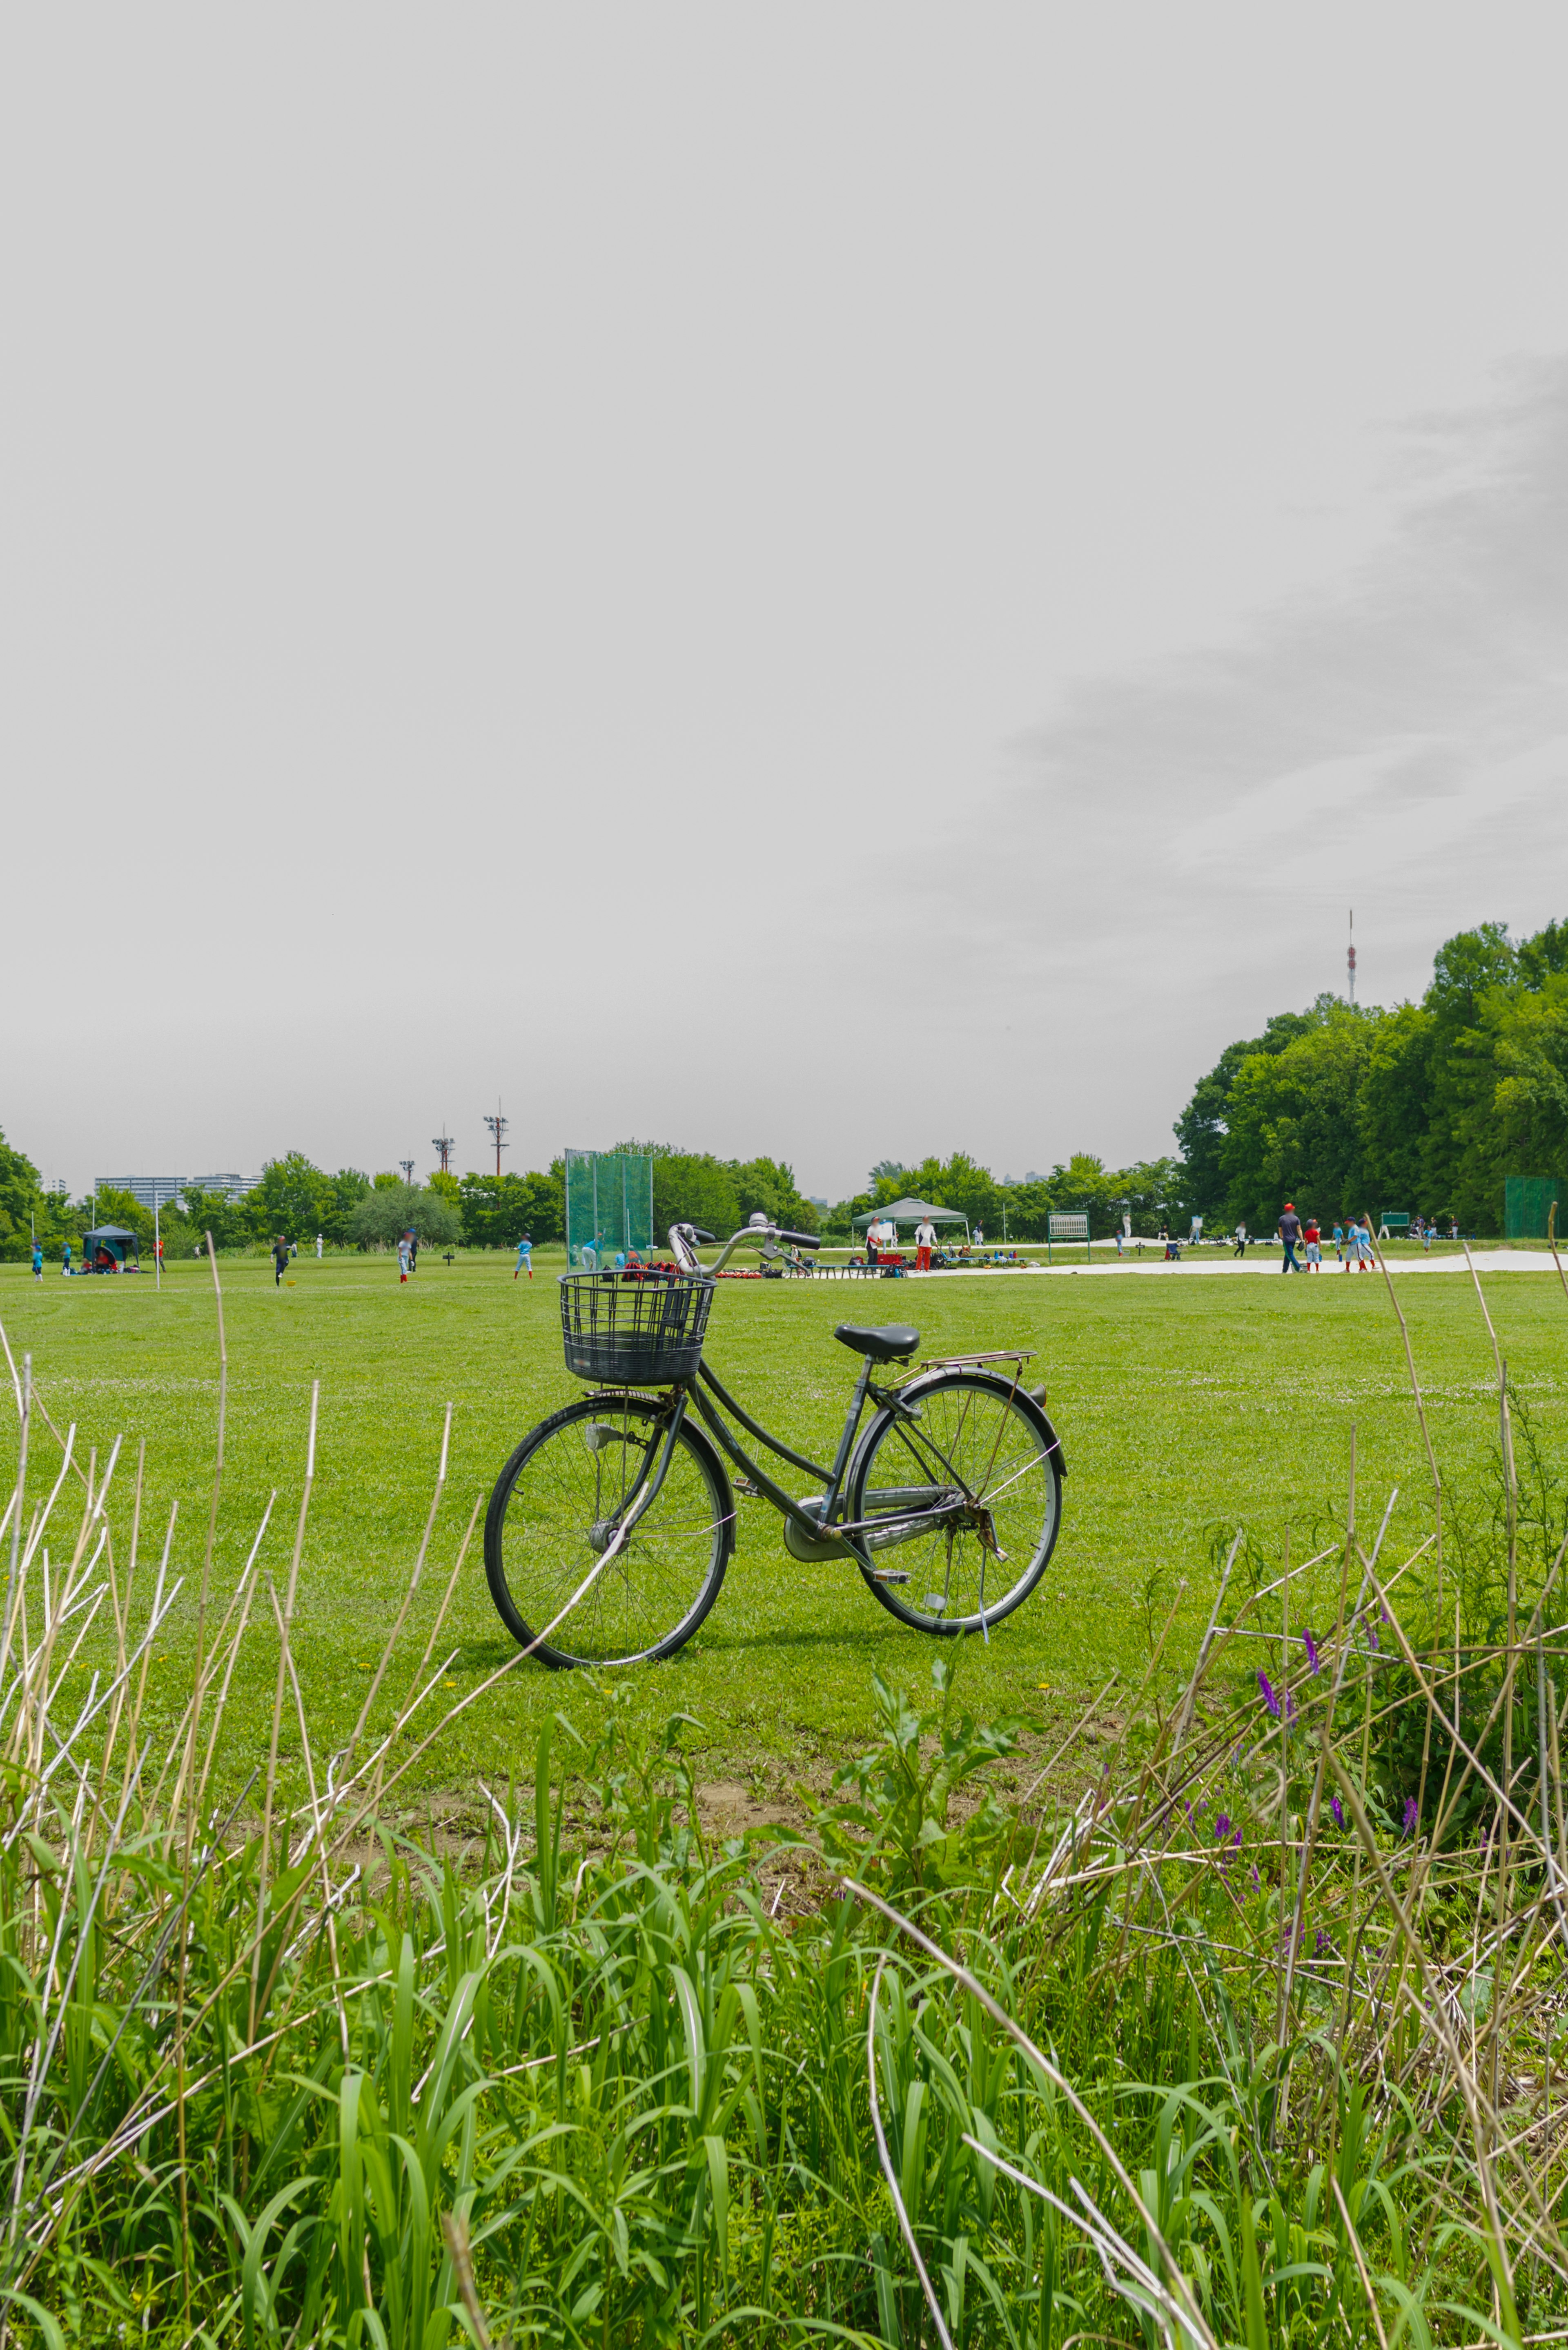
{"x": 1526, "y": 1204}
{"x": 610, "y": 1204}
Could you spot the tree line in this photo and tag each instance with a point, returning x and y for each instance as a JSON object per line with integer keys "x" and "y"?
{"x": 1341, "y": 1108}
{"x": 1426, "y": 1109}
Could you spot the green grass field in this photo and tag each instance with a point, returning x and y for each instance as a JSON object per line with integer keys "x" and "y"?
{"x": 1184, "y": 1406}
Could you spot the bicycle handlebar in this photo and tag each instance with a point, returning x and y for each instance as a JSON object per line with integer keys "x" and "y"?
{"x": 684, "y": 1237}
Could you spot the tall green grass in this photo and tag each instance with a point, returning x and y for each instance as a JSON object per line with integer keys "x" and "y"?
{"x": 1242, "y": 2033}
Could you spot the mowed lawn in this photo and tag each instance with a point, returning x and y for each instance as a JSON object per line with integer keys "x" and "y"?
{"x": 1187, "y": 1405}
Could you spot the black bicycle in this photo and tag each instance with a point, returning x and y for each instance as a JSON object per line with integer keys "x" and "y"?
{"x": 611, "y": 1526}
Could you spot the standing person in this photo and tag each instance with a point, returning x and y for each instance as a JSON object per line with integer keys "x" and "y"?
{"x": 979, "y": 1235}
{"x": 1338, "y": 1238}
{"x": 925, "y": 1242}
{"x": 318, "y": 1248}
{"x": 158, "y": 1250}
{"x": 1365, "y": 1253}
{"x": 1314, "y": 1238}
{"x": 1427, "y": 1231}
{"x": 1240, "y": 1238}
{"x": 525, "y": 1256}
{"x": 1289, "y": 1231}
{"x": 37, "y": 1258}
{"x": 279, "y": 1259}
{"x": 402, "y": 1257}
{"x": 65, "y": 1260}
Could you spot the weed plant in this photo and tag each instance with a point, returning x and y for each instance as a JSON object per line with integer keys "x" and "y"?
{"x": 1242, "y": 2032}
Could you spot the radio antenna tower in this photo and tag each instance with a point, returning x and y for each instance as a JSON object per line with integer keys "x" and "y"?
{"x": 408, "y": 1167}
{"x": 498, "y": 1126}
{"x": 1352, "y": 955}
{"x": 443, "y": 1142}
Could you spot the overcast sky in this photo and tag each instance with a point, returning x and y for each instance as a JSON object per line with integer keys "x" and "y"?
{"x": 836, "y": 581}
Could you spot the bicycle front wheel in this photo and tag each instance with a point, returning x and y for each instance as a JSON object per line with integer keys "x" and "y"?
{"x": 981, "y": 1447}
{"x": 553, "y": 1519}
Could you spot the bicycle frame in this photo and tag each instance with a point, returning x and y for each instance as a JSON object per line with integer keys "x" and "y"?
{"x": 912, "y": 1508}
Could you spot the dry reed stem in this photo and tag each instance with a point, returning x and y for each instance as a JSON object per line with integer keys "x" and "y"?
{"x": 1482, "y": 2123}
{"x": 1201, "y": 1667}
{"x": 189, "y": 1768}
{"x": 277, "y": 1704}
{"x": 1421, "y": 1414}
{"x": 374, "y": 1691}
{"x": 906, "y": 2231}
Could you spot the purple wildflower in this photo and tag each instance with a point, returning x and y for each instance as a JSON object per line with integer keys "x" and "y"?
{"x": 1322, "y": 1945}
{"x": 1411, "y": 1815}
{"x": 1222, "y": 1827}
{"x": 1372, "y": 1639}
{"x": 1269, "y": 1700}
{"x": 1236, "y": 1837}
{"x": 1289, "y": 1706}
{"x": 1310, "y": 1645}
{"x": 1256, "y": 1879}
{"x": 1338, "y": 1815}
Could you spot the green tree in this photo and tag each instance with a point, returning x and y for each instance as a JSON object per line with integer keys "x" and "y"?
{"x": 216, "y": 1213}
{"x": 1294, "y": 1128}
{"x": 113, "y": 1207}
{"x": 348, "y": 1188}
{"x": 1395, "y": 1095}
{"x": 387, "y": 1212}
{"x": 294, "y": 1197}
{"x": 497, "y": 1210}
{"x": 1203, "y": 1125}
{"x": 21, "y": 1201}
{"x": 768, "y": 1184}
{"x": 1531, "y": 1095}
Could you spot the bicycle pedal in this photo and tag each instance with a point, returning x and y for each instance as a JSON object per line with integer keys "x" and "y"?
{"x": 890, "y": 1574}
{"x": 744, "y": 1487}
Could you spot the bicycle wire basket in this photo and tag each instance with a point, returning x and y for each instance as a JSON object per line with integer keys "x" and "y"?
{"x": 644, "y": 1332}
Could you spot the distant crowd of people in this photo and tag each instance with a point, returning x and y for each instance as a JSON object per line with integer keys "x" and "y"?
{"x": 1352, "y": 1242}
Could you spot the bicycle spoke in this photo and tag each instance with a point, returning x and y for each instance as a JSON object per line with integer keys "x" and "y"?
{"x": 975, "y": 1439}
{"x": 569, "y": 1490}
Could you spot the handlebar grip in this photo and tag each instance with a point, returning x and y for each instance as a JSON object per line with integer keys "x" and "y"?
{"x": 803, "y": 1240}
{"x": 699, "y": 1234}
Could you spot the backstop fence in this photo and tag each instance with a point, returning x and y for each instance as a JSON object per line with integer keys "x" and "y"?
{"x": 609, "y": 1205}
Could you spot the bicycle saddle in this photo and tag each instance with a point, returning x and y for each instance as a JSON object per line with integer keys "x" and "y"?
{"x": 883, "y": 1346}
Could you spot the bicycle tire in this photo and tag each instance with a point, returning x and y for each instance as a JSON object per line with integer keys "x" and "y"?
{"x": 1001, "y": 1444}
{"x": 548, "y": 1515}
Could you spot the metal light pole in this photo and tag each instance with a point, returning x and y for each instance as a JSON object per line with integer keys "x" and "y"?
{"x": 157, "y": 1244}
{"x": 443, "y": 1142}
{"x": 408, "y": 1167}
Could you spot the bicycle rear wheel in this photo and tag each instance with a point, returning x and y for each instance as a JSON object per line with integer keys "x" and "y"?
{"x": 979, "y": 1441}
{"x": 553, "y": 1517}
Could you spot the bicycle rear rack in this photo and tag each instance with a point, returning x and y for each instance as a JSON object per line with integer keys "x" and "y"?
{"x": 1020, "y": 1355}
